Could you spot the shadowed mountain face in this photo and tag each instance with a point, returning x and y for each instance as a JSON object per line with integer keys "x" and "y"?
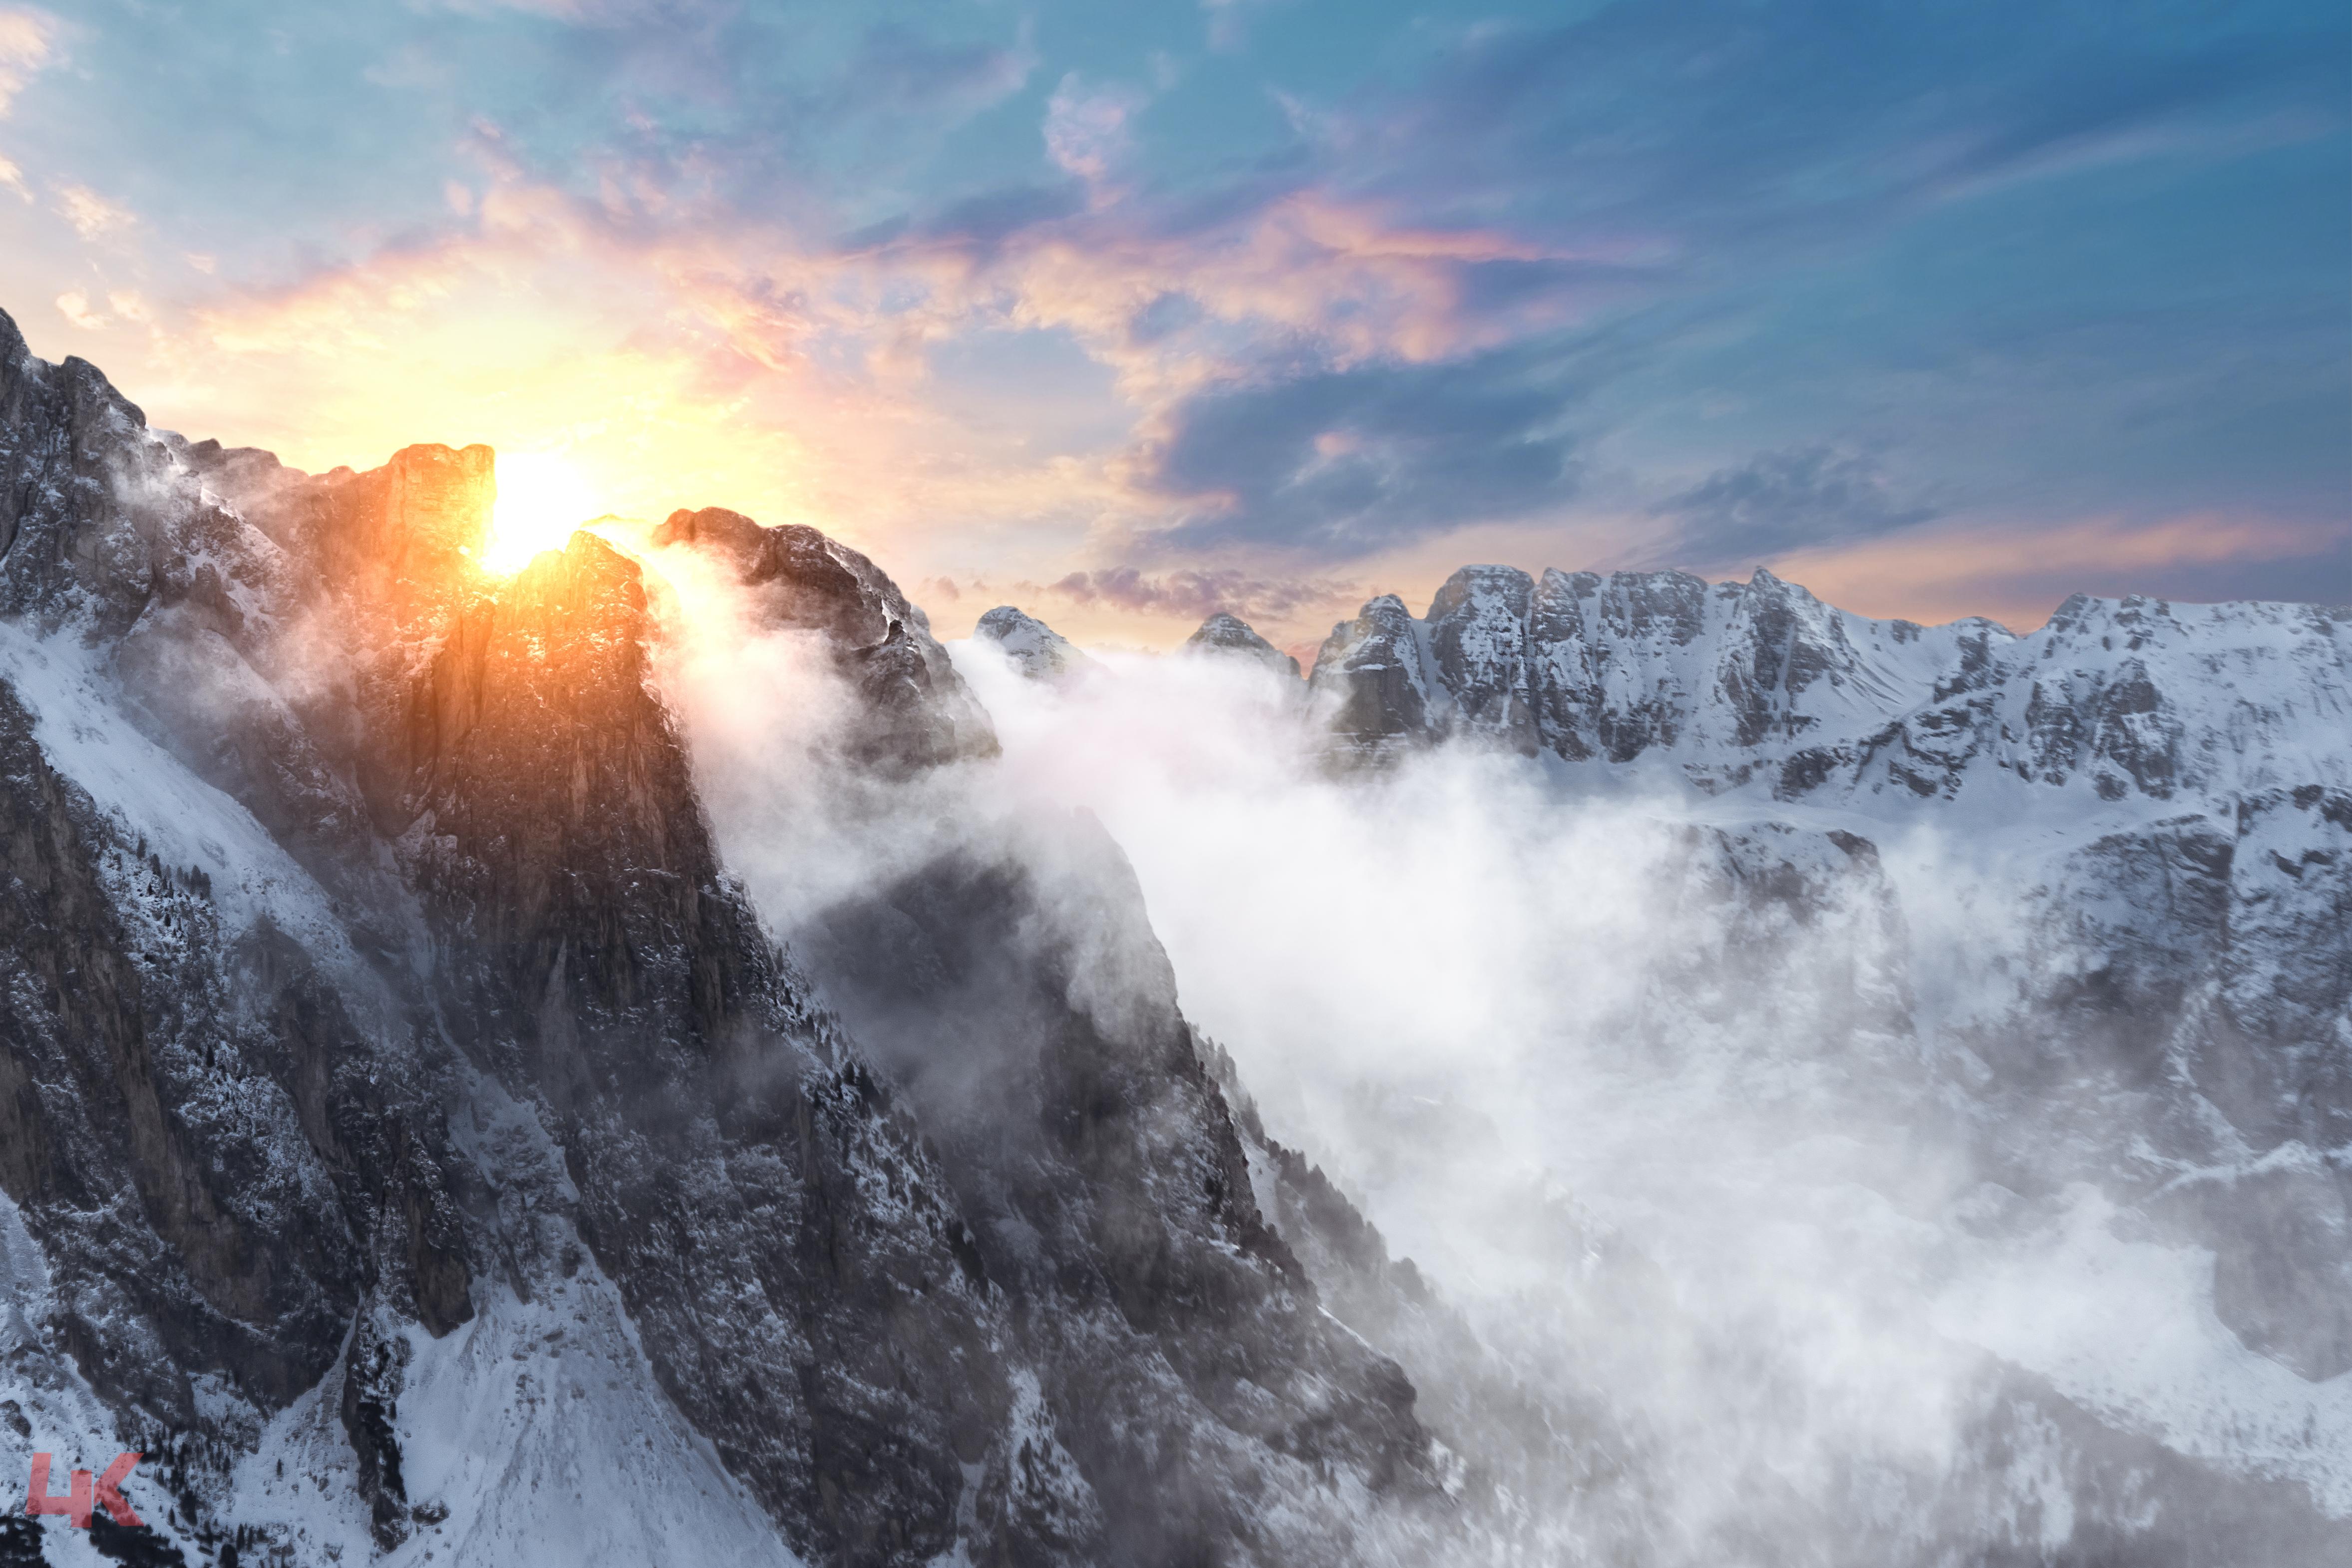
{"x": 373, "y": 987}
{"x": 911, "y": 710}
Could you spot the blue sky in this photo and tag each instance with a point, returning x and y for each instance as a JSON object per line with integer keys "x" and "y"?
{"x": 1132, "y": 312}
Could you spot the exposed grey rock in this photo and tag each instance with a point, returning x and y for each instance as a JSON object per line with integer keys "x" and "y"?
{"x": 1478, "y": 650}
{"x": 1023, "y": 1004}
{"x": 230, "y": 1133}
{"x": 912, "y": 709}
{"x": 1373, "y": 684}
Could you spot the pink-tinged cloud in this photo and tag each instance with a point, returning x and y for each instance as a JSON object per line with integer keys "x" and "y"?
{"x": 1339, "y": 278}
{"x": 2017, "y": 572}
{"x": 1087, "y": 128}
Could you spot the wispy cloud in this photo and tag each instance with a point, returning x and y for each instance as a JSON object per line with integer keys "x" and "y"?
{"x": 91, "y": 214}
{"x": 1780, "y": 501}
{"x": 1196, "y": 595}
{"x": 29, "y": 40}
{"x": 1086, "y": 126}
{"x": 74, "y": 305}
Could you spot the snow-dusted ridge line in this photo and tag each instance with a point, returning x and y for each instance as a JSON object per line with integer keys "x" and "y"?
{"x": 1761, "y": 688}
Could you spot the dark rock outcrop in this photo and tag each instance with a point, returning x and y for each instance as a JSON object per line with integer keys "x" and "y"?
{"x": 1372, "y": 680}
{"x": 911, "y": 708}
{"x": 230, "y": 1127}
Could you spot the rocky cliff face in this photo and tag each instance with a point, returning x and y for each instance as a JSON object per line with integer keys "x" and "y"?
{"x": 912, "y": 710}
{"x": 415, "y": 1138}
{"x": 393, "y": 1077}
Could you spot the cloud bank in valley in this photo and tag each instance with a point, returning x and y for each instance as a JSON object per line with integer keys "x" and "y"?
{"x": 1680, "y": 1156}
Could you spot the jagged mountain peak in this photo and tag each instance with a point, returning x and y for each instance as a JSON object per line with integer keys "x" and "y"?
{"x": 507, "y": 1044}
{"x": 395, "y": 1069}
{"x": 14, "y": 350}
{"x": 1760, "y": 683}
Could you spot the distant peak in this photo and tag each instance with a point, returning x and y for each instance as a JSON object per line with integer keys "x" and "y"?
{"x": 1222, "y": 633}
{"x": 1035, "y": 649}
{"x": 712, "y": 527}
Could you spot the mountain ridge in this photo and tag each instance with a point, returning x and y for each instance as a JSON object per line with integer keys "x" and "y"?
{"x": 488, "y": 985}
{"x": 398, "y": 1069}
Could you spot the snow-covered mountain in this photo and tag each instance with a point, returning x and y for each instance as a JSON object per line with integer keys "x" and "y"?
{"x": 2071, "y": 913}
{"x": 2171, "y": 785}
{"x": 2165, "y": 790}
{"x": 414, "y": 1141}
{"x": 1760, "y": 684}
{"x": 492, "y": 1073}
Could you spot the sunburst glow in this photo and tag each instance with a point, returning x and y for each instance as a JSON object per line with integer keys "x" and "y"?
{"x": 541, "y": 500}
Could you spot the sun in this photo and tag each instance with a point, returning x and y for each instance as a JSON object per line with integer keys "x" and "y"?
{"x": 541, "y": 500}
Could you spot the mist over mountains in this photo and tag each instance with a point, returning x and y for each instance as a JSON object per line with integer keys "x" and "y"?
{"x": 657, "y": 1058}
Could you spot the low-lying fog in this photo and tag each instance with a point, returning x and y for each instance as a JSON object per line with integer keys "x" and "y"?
{"x": 1695, "y": 1162}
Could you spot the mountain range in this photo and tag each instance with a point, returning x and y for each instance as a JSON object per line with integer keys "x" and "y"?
{"x": 421, "y": 1144}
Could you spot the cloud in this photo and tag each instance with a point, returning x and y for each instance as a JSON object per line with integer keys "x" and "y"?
{"x": 29, "y": 39}
{"x": 2018, "y": 569}
{"x": 74, "y": 305}
{"x": 1779, "y": 501}
{"x": 1315, "y": 346}
{"x": 1343, "y": 462}
{"x": 1451, "y": 295}
{"x": 14, "y": 178}
{"x": 896, "y": 67}
{"x": 1086, "y": 127}
{"x": 602, "y": 14}
{"x": 1296, "y": 268}
{"x": 1197, "y": 594}
{"x": 91, "y": 214}
{"x": 1714, "y": 121}
{"x": 1229, "y": 21}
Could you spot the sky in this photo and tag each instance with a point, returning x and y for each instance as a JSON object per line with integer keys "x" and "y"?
{"x": 1128, "y": 313}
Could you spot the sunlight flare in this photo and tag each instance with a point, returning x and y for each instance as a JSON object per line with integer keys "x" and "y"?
{"x": 541, "y": 501}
